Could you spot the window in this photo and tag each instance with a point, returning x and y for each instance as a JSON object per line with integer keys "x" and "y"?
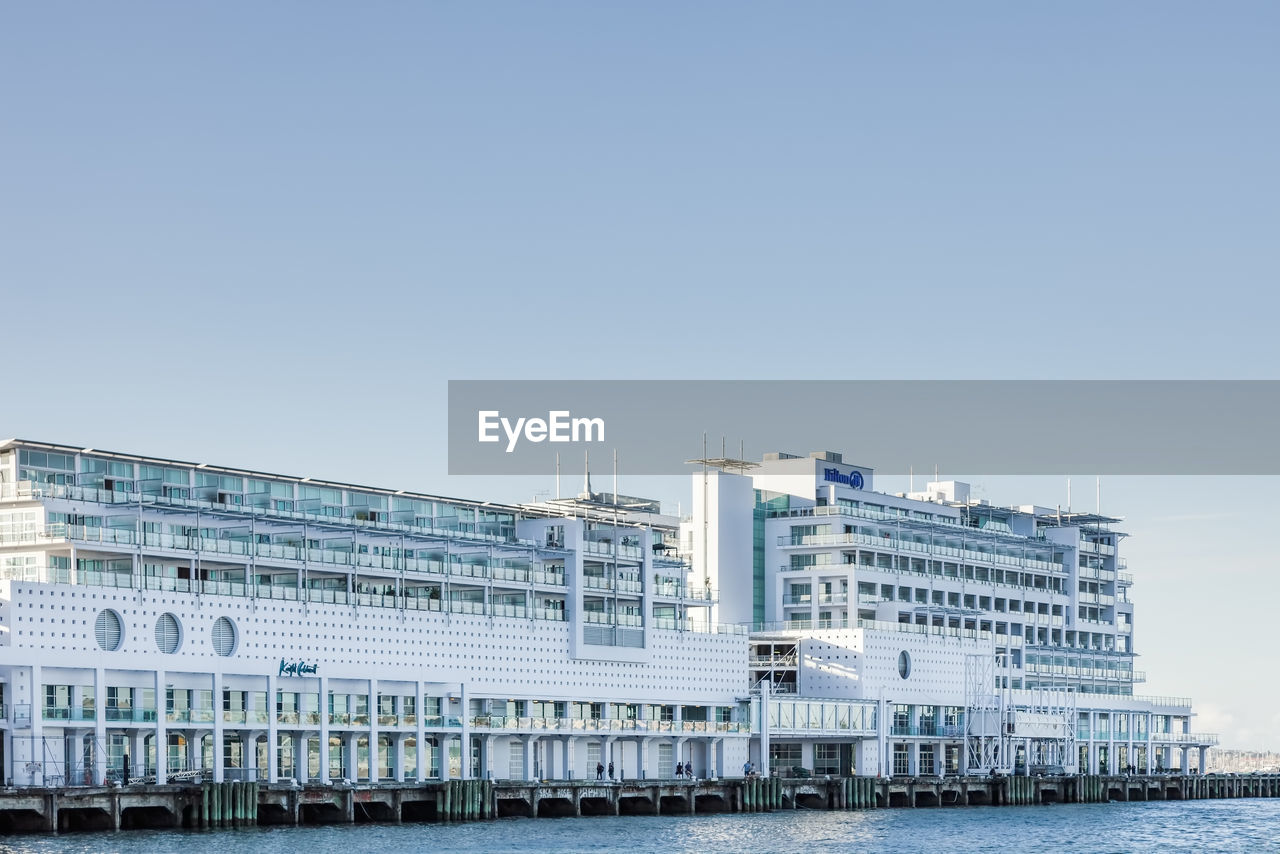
{"x": 901, "y": 760}
{"x": 109, "y": 630}
{"x": 168, "y": 634}
{"x": 224, "y": 636}
{"x": 826, "y": 759}
{"x": 904, "y": 664}
{"x": 784, "y": 757}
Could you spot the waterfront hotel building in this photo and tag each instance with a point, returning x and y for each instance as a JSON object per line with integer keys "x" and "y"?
{"x": 173, "y": 620}
{"x": 208, "y": 621}
{"x": 980, "y": 638}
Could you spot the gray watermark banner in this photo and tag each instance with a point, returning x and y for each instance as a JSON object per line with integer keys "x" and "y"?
{"x": 993, "y": 427}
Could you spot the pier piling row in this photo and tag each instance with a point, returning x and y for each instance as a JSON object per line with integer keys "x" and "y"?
{"x": 243, "y": 804}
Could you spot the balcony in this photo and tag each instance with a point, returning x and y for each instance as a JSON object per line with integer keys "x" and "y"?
{"x": 602, "y": 582}
{"x": 445, "y": 527}
{"x": 896, "y": 544}
{"x": 68, "y": 713}
{"x": 124, "y": 714}
{"x": 621, "y": 725}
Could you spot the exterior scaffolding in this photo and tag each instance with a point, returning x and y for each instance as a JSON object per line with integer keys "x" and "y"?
{"x": 1043, "y": 728}
{"x": 987, "y": 743}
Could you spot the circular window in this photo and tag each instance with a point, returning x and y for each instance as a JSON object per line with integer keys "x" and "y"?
{"x": 168, "y": 634}
{"x": 224, "y": 636}
{"x": 904, "y": 664}
{"x": 109, "y": 629}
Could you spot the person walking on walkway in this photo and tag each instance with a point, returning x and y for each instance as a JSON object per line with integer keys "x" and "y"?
{"x": 610, "y": 770}
{"x": 599, "y": 771}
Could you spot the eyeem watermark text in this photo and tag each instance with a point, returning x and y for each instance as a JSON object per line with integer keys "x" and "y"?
{"x": 558, "y": 426}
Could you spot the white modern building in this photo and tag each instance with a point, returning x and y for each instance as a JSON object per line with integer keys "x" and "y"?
{"x": 181, "y": 619}
{"x": 980, "y": 638}
{"x": 204, "y": 620}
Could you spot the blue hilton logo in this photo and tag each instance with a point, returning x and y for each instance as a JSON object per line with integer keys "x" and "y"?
{"x": 853, "y": 478}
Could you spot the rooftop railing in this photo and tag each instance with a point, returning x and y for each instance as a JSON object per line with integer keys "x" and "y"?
{"x": 1166, "y": 702}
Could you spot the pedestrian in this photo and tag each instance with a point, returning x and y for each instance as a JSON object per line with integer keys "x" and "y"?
{"x": 610, "y": 770}
{"x": 599, "y": 771}
{"x": 746, "y": 768}
{"x": 679, "y": 770}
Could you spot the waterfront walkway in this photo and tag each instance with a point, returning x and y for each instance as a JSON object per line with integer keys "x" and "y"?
{"x": 207, "y": 805}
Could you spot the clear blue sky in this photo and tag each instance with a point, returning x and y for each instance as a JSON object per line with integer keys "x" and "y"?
{"x": 268, "y": 234}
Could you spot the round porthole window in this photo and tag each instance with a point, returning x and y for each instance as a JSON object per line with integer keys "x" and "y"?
{"x": 224, "y": 636}
{"x": 109, "y": 630}
{"x": 168, "y": 634}
{"x": 904, "y": 664}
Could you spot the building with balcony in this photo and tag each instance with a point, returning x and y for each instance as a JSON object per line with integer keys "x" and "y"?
{"x": 977, "y": 638}
{"x": 181, "y": 619}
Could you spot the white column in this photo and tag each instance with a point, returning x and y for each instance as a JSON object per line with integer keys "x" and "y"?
{"x": 374, "y": 772}
{"x": 218, "y": 753}
{"x": 490, "y": 742}
{"x": 324, "y": 728}
{"x": 397, "y": 756}
{"x": 421, "y": 705}
{"x": 642, "y": 758}
{"x": 763, "y": 709}
{"x": 273, "y": 730}
{"x": 566, "y": 754}
{"x": 351, "y": 770}
{"x": 99, "y": 724}
{"x": 161, "y": 732}
{"x": 138, "y": 761}
{"x": 530, "y": 745}
{"x": 465, "y": 717}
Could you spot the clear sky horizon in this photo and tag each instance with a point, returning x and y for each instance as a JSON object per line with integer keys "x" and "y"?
{"x": 269, "y": 234}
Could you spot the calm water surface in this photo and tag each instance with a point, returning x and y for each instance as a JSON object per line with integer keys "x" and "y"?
{"x": 1227, "y": 825}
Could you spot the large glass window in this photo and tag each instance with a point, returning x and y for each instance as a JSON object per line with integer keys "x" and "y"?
{"x": 901, "y": 760}
{"x": 783, "y": 757}
{"x": 826, "y": 759}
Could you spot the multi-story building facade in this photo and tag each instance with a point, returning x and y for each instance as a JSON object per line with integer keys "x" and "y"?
{"x": 213, "y": 621}
{"x": 207, "y": 620}
{"x": 982, "y": 638}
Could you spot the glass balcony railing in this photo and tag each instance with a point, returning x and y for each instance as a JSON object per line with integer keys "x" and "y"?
{"x": 68, "y": 713}
{"x": 409, "y": 599}
{"x": 443, "y": 527}
{"x": 899, "y": 544}
{"x": 129, "y": 715}
{"x": 527, "y": 724}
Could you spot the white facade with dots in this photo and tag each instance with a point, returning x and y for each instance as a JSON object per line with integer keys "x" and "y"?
{"x": 169, "y": 620}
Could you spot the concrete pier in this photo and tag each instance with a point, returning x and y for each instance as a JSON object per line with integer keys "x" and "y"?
{"x": 241, "y": 804}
